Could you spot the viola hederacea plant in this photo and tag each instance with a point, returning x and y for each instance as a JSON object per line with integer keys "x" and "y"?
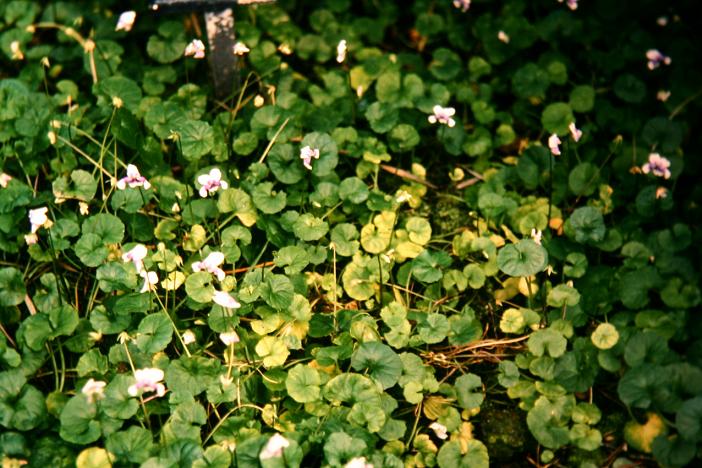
{"x": 432, "y": 233}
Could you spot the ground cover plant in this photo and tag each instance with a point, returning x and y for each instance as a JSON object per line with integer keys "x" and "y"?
{"x": 424, "y": 233}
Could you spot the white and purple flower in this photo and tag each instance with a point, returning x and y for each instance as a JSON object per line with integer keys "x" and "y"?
{"x": 133, "y": 179}
{"x": 656, "y": 58}
{"x": 226, "y": 300}
{"x": 229, "y": 338}
{"x": 196, "y": 49}
{"x": 210, "y": 183}
{"x": 274, "y": 447}
{"x": 341, "y": 51}
{"x": 147, "y": 380}
{"x": 136, "y": 256}
{"x": 94, "y": 390}
{"x": 126, "y": 21}
{"x": 657, "y": 165}
{"x": 463, "y": 5}
{"x": 307, "y": 154}
{"x": 553, "y": 142}
{"x": 211, "y": 264}
{"x": 443, "y": 115}
{"x": 575, "y": 132}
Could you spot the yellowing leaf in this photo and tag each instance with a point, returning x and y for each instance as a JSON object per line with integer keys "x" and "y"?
{"x": 640, "y": 436}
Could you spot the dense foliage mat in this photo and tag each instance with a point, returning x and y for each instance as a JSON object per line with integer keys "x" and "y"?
{"x": 421, "y": 233}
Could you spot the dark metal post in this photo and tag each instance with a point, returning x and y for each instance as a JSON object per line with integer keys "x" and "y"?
{"x": 219, "y": 20}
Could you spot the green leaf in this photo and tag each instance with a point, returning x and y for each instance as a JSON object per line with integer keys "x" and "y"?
{"x": 82, "y": 186}
{"x": 382, "y": 363}
{"x": 196, "y": 139}
{"x": 445, "y": 64}
{"x": 582, "y": 98}
{"x": 267, "y": 200}
{"x": 277, "y": 291}
{"x": 293, "y": 257}
{"x": 688, "y": 419}
{"x": 556, "y": 117}
{"x": 629, "y": 89}
{"x": 273, "y": 351}
{"x": 583, "y": 179}
{"x": 91, "y": 249}
{"x": 285, "y": 164}
{"x": 451, "y": 455}
{"x": 587, "y": 224}
{"x": 245, "y": 143}
{"x": 108, "y": 227}
{"x": 154, "y": 333}
{"x": 303, "y": 384}
{"x": 547, "y": 341}
{"x": 79, "y": 423}
{"x": 169, "y": 44}
{"x": 308, "y": 227}
{"x": 116, "y": 88}
{"x": 433, "y": 328}
{"x": 237, "y": 201}
{"x": 562, "y": 296}
{"x": 133, "y": 445}
{"x": 199, "y": 287}
{"x": 344, "y": 237}
{"x": 12, "y": 289}
{"x": 403, "y": 137}
{"x": 469, "y": 391}
{"x": 382, "y": 117}
{"x": 525, "y": 258}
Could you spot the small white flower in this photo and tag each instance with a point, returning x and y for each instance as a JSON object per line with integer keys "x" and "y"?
{"x": 662, "y": 21}
{"x": 341, "y": 51}
{"x": 358, "y": 462}
{"x": 572, "y": 4}
{"x": 94, "y": 390}
{"x": 553, "y": 142}
{"x": 661, "y": 192}
{"x": 150, "y": 281}
{"x": 536, "y": 235}
{"x": 211, "y": 264}
{"x": 136, "y": 256}
{"x": 51, "y": 135}
{"x": 306, "y": 154}
{"x": 229, "y": 338}
{"x": 443, "y": 115}
{"x": 189, "y": 337}
{"x": 258, "y": 101}
{"x": 439, "y": 429}
{"x": 226, "y": 300}
{"x": 274, "y": 447}
{"x": 285, "y": 49}
{"x": 133, "y": 179}
{"x": 211, "y": 182}
{"x": 657, "y": 165}
{"x": 147, "y": 380}
{"x": 126, "y": 21}
{"x": 575, "y": 132}
{"x": 175, "y": 208}
{"x": 240, "y": 49}
{"x": 16, "y": 50}
{"x": 31, "y": 239}
{"x": 663, "y": 95}
{"x": 196, "y": 49}
{"x": 84, "y": 208}
{"x": 5, "y": 179}
{"x": 462, "y": 4}
{"x": 656, "y": 58}
{"x": 38, "y": 218}
{"x": 503, "y": 37}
